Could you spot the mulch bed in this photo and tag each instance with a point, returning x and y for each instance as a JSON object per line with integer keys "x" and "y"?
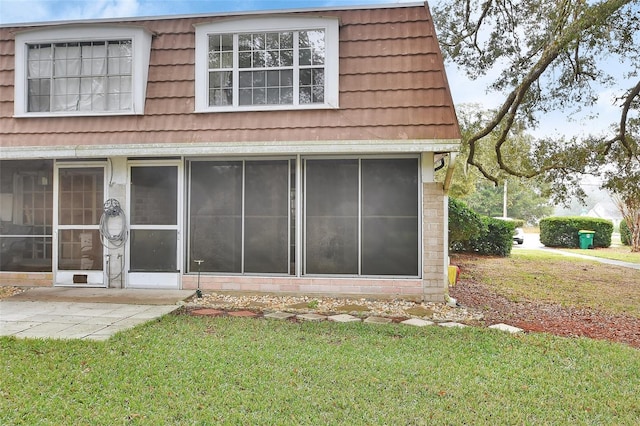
{"x": 547, "y": 317}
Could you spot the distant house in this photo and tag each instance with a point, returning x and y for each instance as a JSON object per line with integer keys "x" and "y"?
{"x": 287, "y": 151}
{"x": 606, "y": 210}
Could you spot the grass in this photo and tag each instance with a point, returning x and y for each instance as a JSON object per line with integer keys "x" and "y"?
{"x": 622, "y": 253}
{"x": 546, "y": 276}
{"x": 193, "y": 370}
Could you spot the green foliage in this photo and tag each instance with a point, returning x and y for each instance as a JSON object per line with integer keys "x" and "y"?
{"x": 563, "y": 231}
{"x": 524, "y": 200}
{"x": 498, "y": 240}
{"x": 625, "y": 233}
{"x": 540, "y": 57}
{"x": 464, "y": 223}
{"x": 473, "y": 233}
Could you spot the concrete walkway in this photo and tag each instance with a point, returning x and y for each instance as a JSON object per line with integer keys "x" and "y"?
{"x": 83, "y": 313}
{"x": 596, "y": 259}
{"x": 532, "y": 241}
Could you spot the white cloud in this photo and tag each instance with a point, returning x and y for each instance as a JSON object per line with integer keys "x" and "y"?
{"x": 23, "y": 11}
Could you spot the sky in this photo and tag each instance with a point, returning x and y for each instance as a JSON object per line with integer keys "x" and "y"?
{"x": 463, "y": 89}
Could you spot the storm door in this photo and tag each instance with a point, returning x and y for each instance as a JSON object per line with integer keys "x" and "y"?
{"x": 154, "y": 217}
{"x": 79, "y": 255}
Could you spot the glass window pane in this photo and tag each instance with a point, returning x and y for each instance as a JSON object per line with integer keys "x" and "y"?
{"x": 153, "y": 250}
{"x": 390, "y": 237}
{"x": 331, "y": 216}
{"x": 216, "y": 216}
{"x": 39, "y": 90}
{"x": 266, "y": 216}
{"x": 154, "y": 195}
{"x": 80, "y": 250}
{"x": 79, "y": 73}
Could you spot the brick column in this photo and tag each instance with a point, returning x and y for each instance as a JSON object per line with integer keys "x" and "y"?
{"x": 433, "y": 242}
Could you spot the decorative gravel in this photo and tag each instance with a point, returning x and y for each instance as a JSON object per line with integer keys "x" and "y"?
{"x": 363, "y": 307}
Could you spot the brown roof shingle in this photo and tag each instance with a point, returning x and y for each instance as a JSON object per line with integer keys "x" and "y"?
{"x": 392, "y": 87}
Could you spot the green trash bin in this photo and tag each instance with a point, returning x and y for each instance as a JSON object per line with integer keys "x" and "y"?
{"x": 586, "y": 239}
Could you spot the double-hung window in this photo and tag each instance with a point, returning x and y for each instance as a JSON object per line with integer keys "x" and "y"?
{"x": 259, "y": 64}
{"x": 80, "y": 72}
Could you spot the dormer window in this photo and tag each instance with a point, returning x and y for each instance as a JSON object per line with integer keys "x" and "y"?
{"x": 77, "y": 72}
{"x": 261, "y": 64}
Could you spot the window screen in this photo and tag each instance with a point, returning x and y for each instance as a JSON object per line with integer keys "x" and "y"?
{"x": 331, "y": 216}
{"x": 239, "y": 216}
{"x": 361, "y": 217}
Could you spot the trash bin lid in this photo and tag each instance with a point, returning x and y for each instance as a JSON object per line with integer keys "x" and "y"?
{"x": 583, "y": 231}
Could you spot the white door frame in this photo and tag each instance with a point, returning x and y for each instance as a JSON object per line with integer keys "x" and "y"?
{"x": 92, "y": 278}
{"x": 157, "y": 280}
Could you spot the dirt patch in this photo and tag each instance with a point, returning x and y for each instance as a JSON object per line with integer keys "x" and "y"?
{"x": 547, "y": 317}
{"x": 8, "y": 291}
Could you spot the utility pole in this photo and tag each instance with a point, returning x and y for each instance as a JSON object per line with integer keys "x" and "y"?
{"x": 504, "y": 200}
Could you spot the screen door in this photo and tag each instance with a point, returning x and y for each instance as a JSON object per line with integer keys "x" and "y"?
{"x": 79, "y": 254}
{"x": 154, "y": 200}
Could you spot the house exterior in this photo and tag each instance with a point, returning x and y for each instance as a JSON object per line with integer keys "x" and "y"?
{"x": 283, "y": 151}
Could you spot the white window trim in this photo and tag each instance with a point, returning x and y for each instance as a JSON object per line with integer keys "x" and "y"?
{"x": 141, "y": 42}
{"x": 330, "y": 26}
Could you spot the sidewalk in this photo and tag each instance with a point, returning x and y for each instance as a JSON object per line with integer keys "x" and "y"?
{"x": 83, "y": 313}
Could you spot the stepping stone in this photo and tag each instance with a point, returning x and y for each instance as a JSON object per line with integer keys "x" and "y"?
{"x": 343, "y": 318}
{"x": 506, "y": 327}
{"x": 311, "y": 317}
{"x": 378, "y": 320}
{"x": 243, "y": 314}
{"x": 280, "y": 315}
{"x": 207, "y": 312}
{"x": 419, "y": 311}
{"x": 417, "y": 322}
{"x": 452, "y": 325}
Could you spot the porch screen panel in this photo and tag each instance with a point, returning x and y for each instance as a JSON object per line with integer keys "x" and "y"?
{"x": 390, "y": 217}
{"x": 79, "y": 250}
{"x": 81, "y": 196}
{"x": 216, "y": 216}
{"x": 154, "y": 195}
{"x": 26, "y": 215}
{"x": 153, "y": 250}
{"x": 331, "y": 216}
{"x": 266, "y": 216}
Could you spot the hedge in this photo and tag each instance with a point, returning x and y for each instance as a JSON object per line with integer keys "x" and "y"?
{"x": 473, "y": 233}
{"x": 625, "y": 233}
{"x": 563, "y": 231}
{"x": 464, "y": 223}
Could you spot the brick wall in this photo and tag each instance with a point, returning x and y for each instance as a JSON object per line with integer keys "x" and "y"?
{"x": 433, "y": 228}
{"x": 27, "y": 279}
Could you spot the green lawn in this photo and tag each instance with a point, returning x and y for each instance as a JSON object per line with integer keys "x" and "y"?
{"x": 622, "y": 253}
{"x": 551, "y": 277}
{"x": 193, "y": 370}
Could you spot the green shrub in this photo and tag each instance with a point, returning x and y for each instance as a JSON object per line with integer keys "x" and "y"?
{"x": 497, "y": 241}
{"x": 517, "y": 223}
{"x": 464, "y": 223}
{"x": 473, "y": 233}
{"x": 625, "y": 233}
{"x": 563, "y": 231}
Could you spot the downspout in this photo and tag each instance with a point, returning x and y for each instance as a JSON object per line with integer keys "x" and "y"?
{"x": 449, "y": 176}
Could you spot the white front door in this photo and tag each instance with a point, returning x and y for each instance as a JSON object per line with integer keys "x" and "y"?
{"x": 154, "y": 249}
{"x": 78, "y": 257}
